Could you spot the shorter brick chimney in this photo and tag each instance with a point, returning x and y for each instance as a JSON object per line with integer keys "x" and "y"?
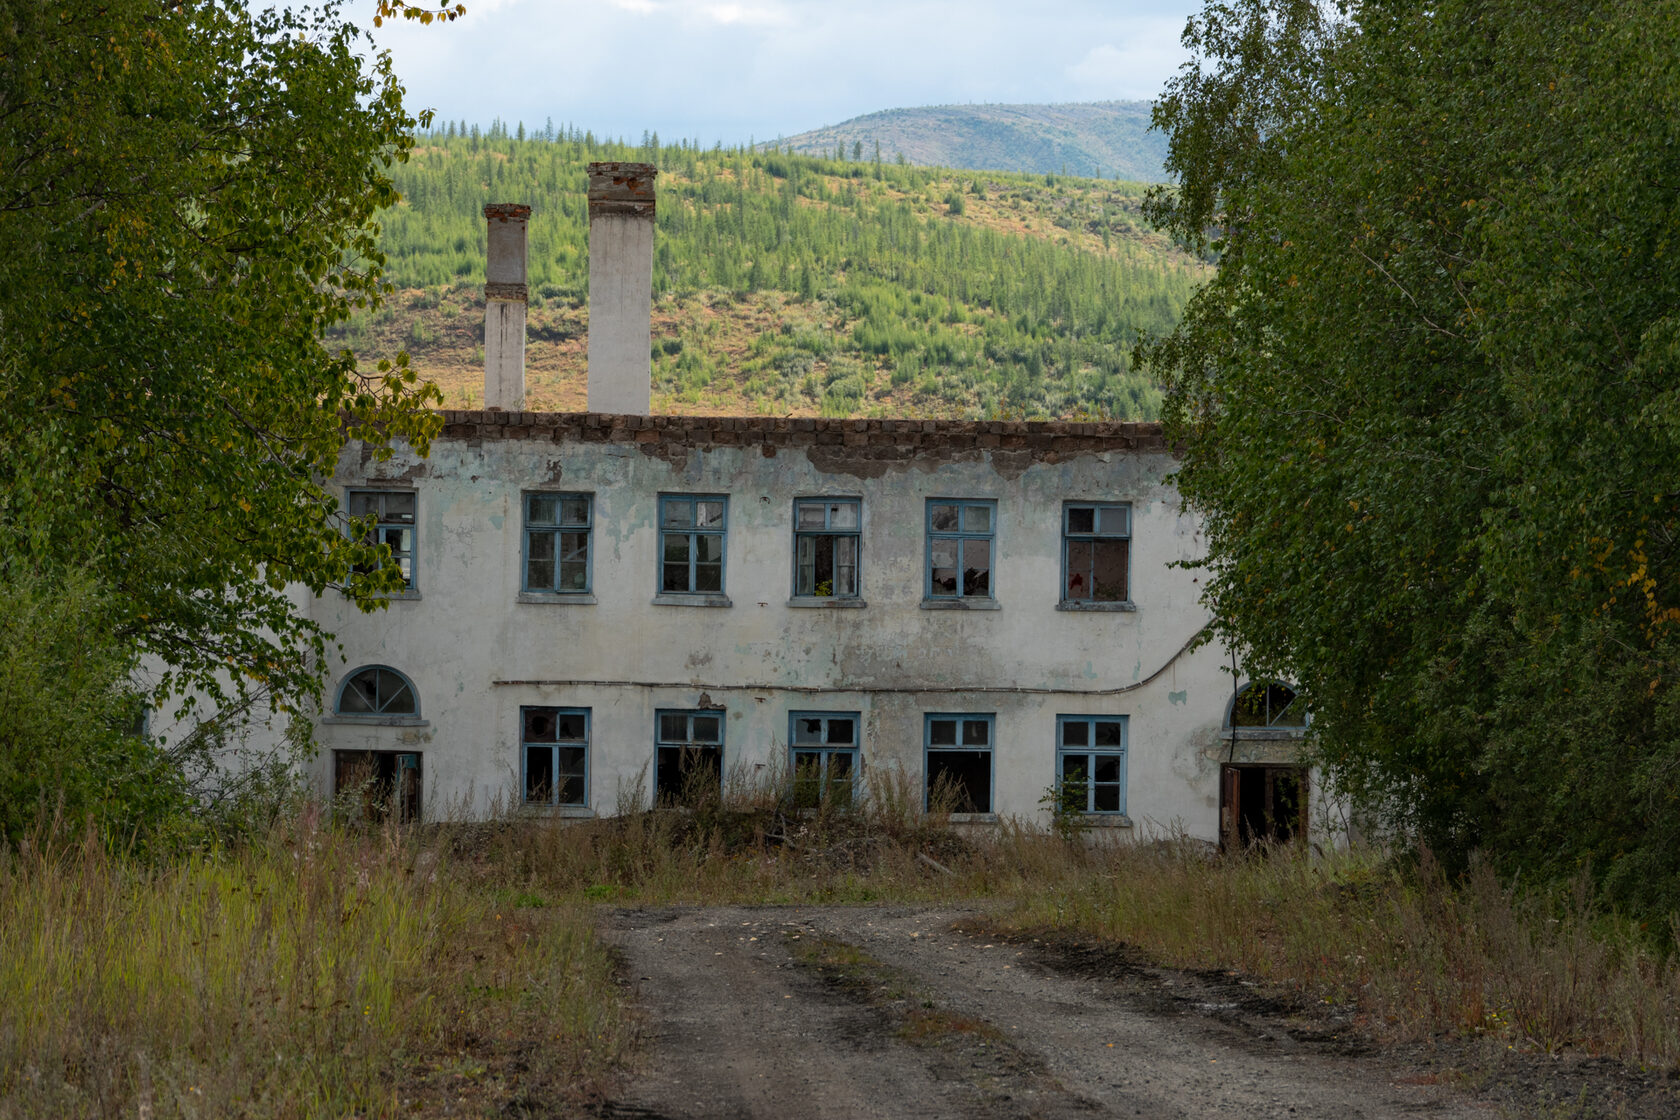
{"x": 504, "y": 306}
{"x": 621, "y": 287}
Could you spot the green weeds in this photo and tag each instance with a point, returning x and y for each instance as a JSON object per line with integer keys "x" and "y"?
{"x": 318, "y": 973}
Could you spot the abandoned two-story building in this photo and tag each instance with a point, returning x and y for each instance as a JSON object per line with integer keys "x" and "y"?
{"x": 609, "y": 607}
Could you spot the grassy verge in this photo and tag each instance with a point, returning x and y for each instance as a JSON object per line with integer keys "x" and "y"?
{"x": 455, "y": 970}
{"x": 1414, "y": 953}
{"x": 316, "y": 974}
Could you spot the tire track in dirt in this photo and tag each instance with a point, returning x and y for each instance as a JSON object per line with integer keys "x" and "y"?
{"x": 740, "y": 1022}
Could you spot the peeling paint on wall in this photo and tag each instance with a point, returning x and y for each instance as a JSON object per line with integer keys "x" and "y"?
{"x": 471, "y": 635}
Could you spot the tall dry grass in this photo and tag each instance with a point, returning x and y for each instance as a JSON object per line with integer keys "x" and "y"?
{"x": 455, "y": 969}
{"x": 319, "y": 973}
{"x": 1416, "y": 951}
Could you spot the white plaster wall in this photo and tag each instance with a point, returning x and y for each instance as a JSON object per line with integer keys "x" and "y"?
{"x": 467, "y": 629}
{"x": 504, "y": 353}
{"x": 620, "y": 301}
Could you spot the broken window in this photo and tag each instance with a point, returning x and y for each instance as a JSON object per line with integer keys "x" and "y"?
{"x": 1091, "y": 762}
{"x": 692, "y": 532}
{"x": 1262, "y": 805}
{"x": 688, "y": 757}
{"x": 554, "y": 750}
{"x": 374, "y": 786}
{"x": 960, "y": 539}
{"x": 376, "y": 691}
{"x": 824, "y": 754}
{"x": 959, "y": 763}
{"x": 826, "y": 536}
{"x": 557, "y": 528}
{"x": 393, "y": 527}
{"x": 1268, "y": 704}
{"x": 1096, "y": 553}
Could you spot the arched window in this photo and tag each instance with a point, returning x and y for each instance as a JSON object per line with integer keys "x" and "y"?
{"x": 1267, "y": 706}
{"x": 377, "y": 691}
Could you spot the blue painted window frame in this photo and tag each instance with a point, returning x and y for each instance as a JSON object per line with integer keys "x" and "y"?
{"x": 692, "y": 531}
{"x": 961, "y": 746}
{"x": 661, "y": 741}
{"x": 527, "y": 744}
{"x": 1090, "y": 751}
{"x": 385, "y": 524}
{"x": 961, "y": 534}
{"x": 558, "y": 531}
{"x": 381, "y": 711}
{"x": 827, "y": 529}
{"x": 1096, "y": 534}
{"x": 825, "y": 749}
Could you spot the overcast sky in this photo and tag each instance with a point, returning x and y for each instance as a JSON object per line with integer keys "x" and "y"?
{"x": 733, "y": 69}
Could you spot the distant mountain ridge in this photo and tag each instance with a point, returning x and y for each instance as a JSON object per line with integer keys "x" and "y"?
{"x": 1098, "y": 139}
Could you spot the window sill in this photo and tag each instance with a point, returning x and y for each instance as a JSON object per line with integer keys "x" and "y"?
{"x": 556, "y": 598}
{"x": 412, "y": 594}
{"x": 374, "y": 721}
{"x": 958, "y": 604}
{"x": 1105, "y": 820}
{"x": 692, "y": 601}
{"x": 1128, "y": 605}
{"x": 973, "y": 818}
{"x": 826, "y": 602}
{"x": 548, "y": 812}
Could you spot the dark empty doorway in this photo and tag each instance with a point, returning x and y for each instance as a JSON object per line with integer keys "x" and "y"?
{"x": 385, "y": 784}
{"x": 1261, "y": 805}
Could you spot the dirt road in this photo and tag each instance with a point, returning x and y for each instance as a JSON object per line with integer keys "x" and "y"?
{"x": 914, "y": 1012}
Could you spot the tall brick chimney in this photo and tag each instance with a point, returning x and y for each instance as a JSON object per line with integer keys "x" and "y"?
{"x": 504, "y": 306}
{"x": 621, "y": 287}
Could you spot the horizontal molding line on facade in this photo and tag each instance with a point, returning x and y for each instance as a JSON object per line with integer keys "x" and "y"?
{"x": 1013, "y": 690}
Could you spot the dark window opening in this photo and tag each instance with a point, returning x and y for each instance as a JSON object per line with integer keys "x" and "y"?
{"x": 960, "y": 539}
{"x": 557, "y": 529}
{"x": 1262, "y": 805}
{"x": 1097, "y": 553}
{"x": 826, "y": 547}
{"x": 378, "y": 785}
{"x": 692, "y": 533}
{"x": 959, "y": 763}
{"x": 556, "y": 748}
{"x": 960, "y": 781}
{"x": 1092, "y": 773}
{"x": 392, "y": 512}
{"x": 824, "y": 749}
{"x": 688, "y": 758}
{"x": 377, "y": 691}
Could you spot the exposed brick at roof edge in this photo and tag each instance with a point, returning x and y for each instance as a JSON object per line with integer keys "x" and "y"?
{"x": 783, "y": 431}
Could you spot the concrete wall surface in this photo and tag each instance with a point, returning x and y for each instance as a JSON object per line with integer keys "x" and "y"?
{"x": 620, "y": 299}
{"x": 478, "y": 646}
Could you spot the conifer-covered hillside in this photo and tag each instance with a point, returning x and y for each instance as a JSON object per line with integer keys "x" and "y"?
{"x": 790, "y": 285}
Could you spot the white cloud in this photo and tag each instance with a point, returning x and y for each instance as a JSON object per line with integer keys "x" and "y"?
{"x": 730, "y": 69}
{"x": 1109, "y": 71}
{"x": 748, "y": 15}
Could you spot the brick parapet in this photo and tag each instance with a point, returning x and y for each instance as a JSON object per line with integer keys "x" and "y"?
{"x": 699, "y": 432}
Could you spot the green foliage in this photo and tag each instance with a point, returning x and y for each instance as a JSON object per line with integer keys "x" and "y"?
{"x": 70, "y": 747}
{"x": 1432, "y": 407}
{"x": 1066, "y": 802}
{"x": 189, "y": 200}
